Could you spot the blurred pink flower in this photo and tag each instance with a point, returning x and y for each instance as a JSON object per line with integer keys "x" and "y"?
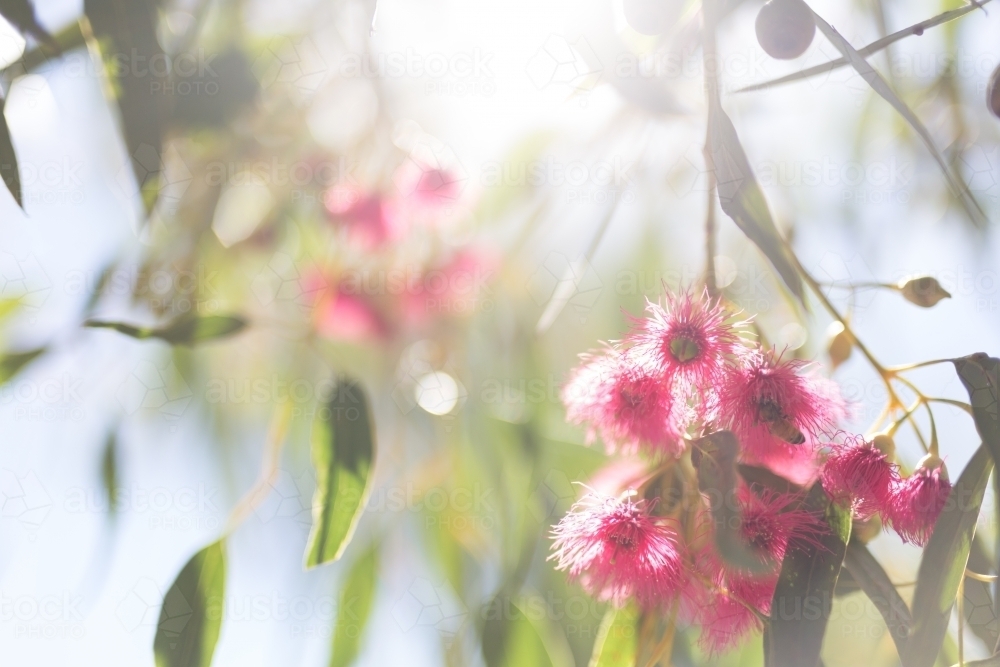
{"x": 618, "y": 551}
{"x": 628, "y": 403}
{"x": 459, "y": 287}
{"x": 343, "y": 316}
{"x": 370, "y": 219}
{"x": 917, "y": 502}
{"x": 859, "y": 476}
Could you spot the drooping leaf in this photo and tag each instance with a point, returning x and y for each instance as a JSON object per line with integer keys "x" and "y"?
{"x": 979, "y": 374}
{"x": 803, "y": 597}
{"x": 616, "y": 638}
{"x": 715, "y": 458}
{"x": 944, "y": 561}
{"x": 183, "y": 331}
{"x": 881, "y": 86}
{"x": 743, "y": 200}
{"x": 137, "y": 70}
{"x": 992, "y": 661}
{"x": 191, "y": 615}
{"x": 876, "y": 584}
{"x": 873, "y": 48}
{"x": 343, "y": 453}
{"x": 11, "y": 364}
{"x": 354, "y": 608}
{"x": 8, "y": 160}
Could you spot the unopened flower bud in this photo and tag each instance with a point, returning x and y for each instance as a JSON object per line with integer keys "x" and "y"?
{"x": 785, "y": 28}
{"x": 923, "y": 291}
{"x": 840, "y": 345}
{"x": 885, "y": 444}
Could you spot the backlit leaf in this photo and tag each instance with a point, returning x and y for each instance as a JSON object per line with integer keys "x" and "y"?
{"x": 343, "y": 453}
{"x": 803, "y": 597}
{"x": 715, "y": 457}
{"x": 11, "y": 364}
{"x": 191, "y": 615}
{"x": 880, "y": 86}
{"x": 616, "y": 638}
{"x": 873, "y": 580}
{"x": 183, "y": 331}
{"x": 742, "y": 199}
{"x": 354, "y": 608}
{"x": 8, "y": 160}
{"x": 944, "y": 561}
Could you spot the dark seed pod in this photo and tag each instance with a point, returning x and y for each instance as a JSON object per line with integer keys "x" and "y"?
{"x": 785, "y": 28}
{"x": 649, "y": 17}
{"x": 923, "y": 291}
{"x": 993, "y": 93}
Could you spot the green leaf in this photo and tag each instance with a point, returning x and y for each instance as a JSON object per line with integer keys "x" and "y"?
{"x": 343, "y": 452}
{"x": 109, "y": 473}
{"x": 742, "y": 199}
{"x": 510, "y": 639}
{"x": 136, "y": 68}
{"x": 191, "y": 615}
{"x": 803, "y": 597}
{"x": 8, "y": 160}
{"x": 876, "y": 584}
{"x": 616, "y": 638}
{"x": 186, "y": 330}
{"x": 354, "y": 608}
{"x": 873, "y": 48}
{"x": 944, "y": 561}
{"x": 715, "y": 458}
{"x": 978, "y": 373}
{"x": 11, "y": 364}
{"x": 880, "y": 86}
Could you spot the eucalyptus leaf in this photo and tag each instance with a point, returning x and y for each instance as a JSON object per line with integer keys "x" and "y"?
{"x": 354, "y": 608}
{"x": 979, "y": 375}
{"x": 873, "y": 48}
{"x": 874, "y": 581}
{"x": 183, "y": 331}
{"x": 8, "y": 160}
{"x": 510, "y": 639}
{"x": 343, "y": 453}
{"x": 135, "y": 65}
{"x": 743, "y": 200}
{"x": 11, "y": 364}
{"x": 944, "y": 561}
{"x": 21, "y": 14}
{"x": 880, "y": 86}
{"x": 803, "y": 597}
{"x": 616, "y": 638}
{"x": 191, "y": 615}
{"x": 715, "y": 458}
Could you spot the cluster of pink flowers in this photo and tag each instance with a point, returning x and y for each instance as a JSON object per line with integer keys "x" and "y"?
{"x": 382, "y": 289}
{"x": 686, "y": 370}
